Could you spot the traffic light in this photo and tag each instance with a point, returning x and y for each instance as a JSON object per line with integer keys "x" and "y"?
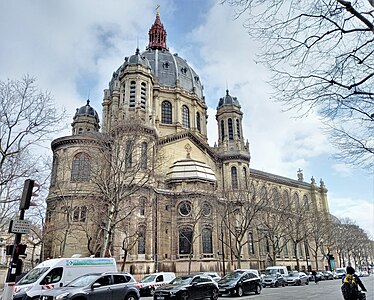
{"x": 21, "y": 249}
{"x": 28, "y": 193}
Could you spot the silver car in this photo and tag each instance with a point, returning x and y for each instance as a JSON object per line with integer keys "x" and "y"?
{"x": 114, "y": 286}
{"x": 297, "y": 278}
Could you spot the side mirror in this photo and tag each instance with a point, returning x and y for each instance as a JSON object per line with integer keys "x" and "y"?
{"x": 96, "y": 285}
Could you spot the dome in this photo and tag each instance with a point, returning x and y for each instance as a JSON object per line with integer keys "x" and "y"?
{"x": 189, "y": 169}
{"x": 87, "y": 111}
{"x": 168, "y": 69}
{"x": 228, "y": 100}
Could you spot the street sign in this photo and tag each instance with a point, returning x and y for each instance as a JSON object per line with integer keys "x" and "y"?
{"x": 19, "y": 226}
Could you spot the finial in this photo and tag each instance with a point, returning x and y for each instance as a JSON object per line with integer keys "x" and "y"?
{"x": 313, "y": 180}
{"x": 300, "y": 175}
{"x": 88, "y": 102}
{"x": 227, "y": 92}
{"x": 137, "y": 51}
{"x": 157, "y": 12}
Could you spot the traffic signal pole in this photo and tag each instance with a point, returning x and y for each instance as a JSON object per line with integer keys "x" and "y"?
{"x": 10, "y": 281}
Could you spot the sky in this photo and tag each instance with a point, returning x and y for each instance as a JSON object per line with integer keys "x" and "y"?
{"x": 73, "y": 47}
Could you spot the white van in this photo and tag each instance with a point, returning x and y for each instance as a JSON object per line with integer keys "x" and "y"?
{"x": 150, "y": 282}
{"x": 58, "y": 272}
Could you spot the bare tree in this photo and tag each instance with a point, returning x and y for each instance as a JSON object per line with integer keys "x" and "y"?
{"x": 125, "y": 164}
{"x": 240, "y": 208}
{"x": 272, "y": 223}
{"x": 321, "y": 56}
{"x": 27, "y": 118}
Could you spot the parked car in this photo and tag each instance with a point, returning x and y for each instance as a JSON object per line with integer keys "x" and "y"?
{"x": 115, "y": 286}
{"x": 189, "y": 287}
{"x": 273, "y": 278}
{"x": 150, "y": 282}
{"x": 240, "y": 282}
{"x": 297, "y": 278}
{"x": 328, "y": 275}
{"x": 364, "y": 273}
{"x": 320, "y": 276}
{"x": 340, "y": 272}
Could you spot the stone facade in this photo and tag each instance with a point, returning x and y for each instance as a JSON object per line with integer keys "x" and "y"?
{"x": 165, "y": 191}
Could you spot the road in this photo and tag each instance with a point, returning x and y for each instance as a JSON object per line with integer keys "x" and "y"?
{"x": 324, "y": 290}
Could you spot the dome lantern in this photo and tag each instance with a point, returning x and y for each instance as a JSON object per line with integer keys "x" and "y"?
{"x": 157, "y": 35}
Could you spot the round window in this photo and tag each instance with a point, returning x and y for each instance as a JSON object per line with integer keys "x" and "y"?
{"x": 185, "y": 208}
{"x": 206, "y": 209}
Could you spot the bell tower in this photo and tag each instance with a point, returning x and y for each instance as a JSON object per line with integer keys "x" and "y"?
{"x": 232, "y": 149}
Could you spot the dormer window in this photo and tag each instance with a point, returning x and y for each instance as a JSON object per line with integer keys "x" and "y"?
{"x": 184, "y": 70}
{"x": 166, "y": 65}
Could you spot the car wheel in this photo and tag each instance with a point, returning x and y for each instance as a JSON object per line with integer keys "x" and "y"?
{"x": 276, "y": 284}
{"x": 131, "y": 297}
{"x": 307, "y": 282}
{"x": 298, "y": 283}
{"x": 151, "y": 291}
{"x": 239, "y": 292}
{"x": 258, "y": 289}
{"x": 184, "y": 296}
{"x": 214, "y": 294}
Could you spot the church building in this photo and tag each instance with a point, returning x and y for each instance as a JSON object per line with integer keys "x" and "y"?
{"x": 142, "y": 184}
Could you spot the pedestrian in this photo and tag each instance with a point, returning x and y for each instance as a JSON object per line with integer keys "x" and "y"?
{"x": 350, "y": 284}
{"x": 314, "y": 273}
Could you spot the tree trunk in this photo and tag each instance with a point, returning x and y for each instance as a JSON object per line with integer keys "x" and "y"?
{"x": 124, "y": 260}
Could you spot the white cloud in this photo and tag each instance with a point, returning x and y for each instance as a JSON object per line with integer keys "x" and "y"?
{"x": 359, "y": 210}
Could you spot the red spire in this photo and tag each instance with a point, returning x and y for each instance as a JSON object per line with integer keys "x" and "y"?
{"x": 157, "y": 35}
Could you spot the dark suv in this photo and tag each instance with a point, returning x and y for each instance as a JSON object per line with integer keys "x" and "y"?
{"x": 115, "y": 286}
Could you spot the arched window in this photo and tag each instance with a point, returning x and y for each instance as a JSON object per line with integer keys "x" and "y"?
{"x": 132, "y": 93}
{"x": 286, "y": 199}
{"x": 185, "y": 117}
{"x": 285, "y": 247}
{"x": 222, "y": 130}
{"x": 129, "y": 151}
{"x": 245, "y": 177}
{"x": 275, "y": 196}
{"x": 54, "y": 170}
{"x": 142, "y": 203}
{"x": 306, "y": 202}
{"x": 143, "y": 95}
{"x": 296, "y": 200}
{"x": 207, "y": 241}
{"x": 231, "y": 131}
{"x": 234, "y": 178}
{"x": 198, "y": 124}
{"x": 144, "y": 158}
{"x": 251, "y": 247}
{"x": 264, "y": 194}
{"x": 166, "y": 117}
{"x": 141, "y": 240}
{"x": 238, "y": 128}
{"x": 252, "y": 191}
{"x": 185, "y": 240}
{"x": 81, "y": 167}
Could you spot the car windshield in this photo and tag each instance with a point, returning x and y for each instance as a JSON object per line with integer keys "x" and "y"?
{"x": 232, "y": 276}
{"x": 181, "y": 280}
{"x": 33, "y": 275}
{"x": 83, "y": 280}
{"x": 148, "y": 278}
{"x": 271, "y": 272}
{"x": 294, "y": 274}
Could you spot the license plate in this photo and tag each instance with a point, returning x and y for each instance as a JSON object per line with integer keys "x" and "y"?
{"x": 222, "y": 290}
{"x": 160, "y": 297}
